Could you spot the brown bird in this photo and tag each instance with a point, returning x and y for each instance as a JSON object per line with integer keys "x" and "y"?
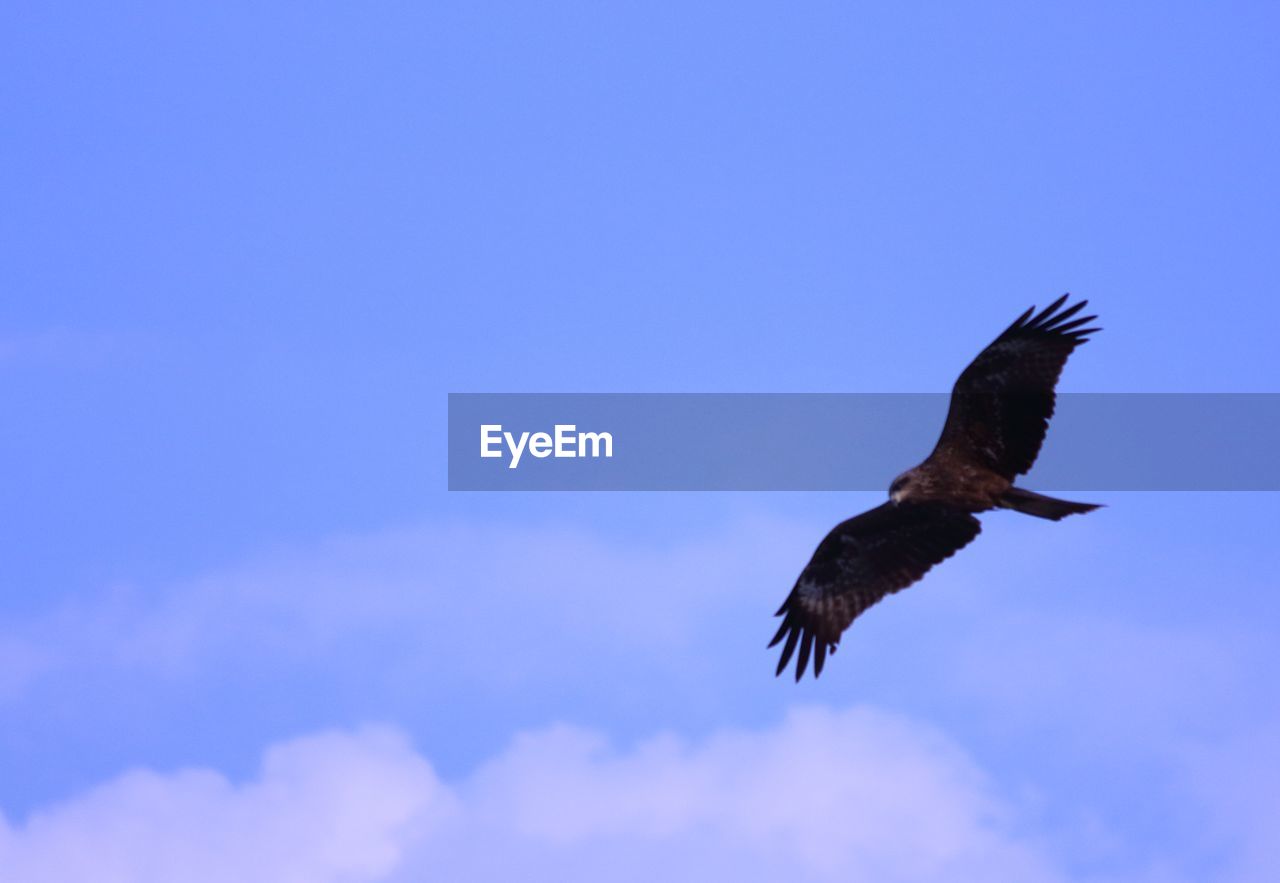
{"x": 999, "y": 414}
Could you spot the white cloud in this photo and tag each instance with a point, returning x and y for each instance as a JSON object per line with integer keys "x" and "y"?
{"x": 825, "y": 795}
{"x": 515, "y": 612}
{"x": 853, "y": 795}
{"x": 330, "y": 807}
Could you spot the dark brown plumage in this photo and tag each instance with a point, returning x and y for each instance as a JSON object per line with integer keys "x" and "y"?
{"x": 999, "y": 414}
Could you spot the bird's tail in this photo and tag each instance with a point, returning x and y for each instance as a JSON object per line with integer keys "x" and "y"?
{"x": 1031, "y": 503}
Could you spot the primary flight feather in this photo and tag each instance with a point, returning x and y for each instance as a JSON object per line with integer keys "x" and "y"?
{"x": 999, "y": 414}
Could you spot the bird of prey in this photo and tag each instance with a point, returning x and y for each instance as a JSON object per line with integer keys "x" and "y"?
{"x": 999, "y": 413}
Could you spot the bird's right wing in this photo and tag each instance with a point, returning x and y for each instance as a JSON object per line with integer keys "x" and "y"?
{"x": 862, "y": 560}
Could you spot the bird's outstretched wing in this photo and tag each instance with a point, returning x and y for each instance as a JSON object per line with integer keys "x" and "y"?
{"x": 862, "y": 560}
{"x": 1001, "y": 403}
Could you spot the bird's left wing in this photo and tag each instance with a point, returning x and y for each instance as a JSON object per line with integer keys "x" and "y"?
{"x": 862, "y": 560}
{"x": 1002, "y": 402}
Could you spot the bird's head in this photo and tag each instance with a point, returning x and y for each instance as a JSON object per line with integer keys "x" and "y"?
{"x": 901, "y": 487}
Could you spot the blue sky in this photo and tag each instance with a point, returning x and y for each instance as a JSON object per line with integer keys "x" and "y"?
{"x": 247, "y": 253}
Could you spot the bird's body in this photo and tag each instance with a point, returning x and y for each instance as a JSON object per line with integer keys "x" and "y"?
{"x": 956, "y": 482}
{"x": 999, "y": 414}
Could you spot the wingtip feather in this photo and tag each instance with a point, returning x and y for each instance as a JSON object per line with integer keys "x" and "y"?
{"x": 787, "y": 649}
{"x": 782, "y": 630}
{"x": 806, "y": 647}
{"x": 1055, "y": 322}
{"x": 1048, "y": 311}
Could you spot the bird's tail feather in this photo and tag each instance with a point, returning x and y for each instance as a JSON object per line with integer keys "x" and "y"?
{"x": 1031, "y": 503}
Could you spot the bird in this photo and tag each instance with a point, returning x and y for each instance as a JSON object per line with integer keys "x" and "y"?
{"x": 996, "y": 423}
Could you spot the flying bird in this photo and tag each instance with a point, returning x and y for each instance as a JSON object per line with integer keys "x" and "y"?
{"x": 996, "y": 423}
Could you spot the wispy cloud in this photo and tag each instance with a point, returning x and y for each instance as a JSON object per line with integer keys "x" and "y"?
{"x": 480, "y": 596}
{"x": 1235, "y": 784}
{"x": 430, "y": 592}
